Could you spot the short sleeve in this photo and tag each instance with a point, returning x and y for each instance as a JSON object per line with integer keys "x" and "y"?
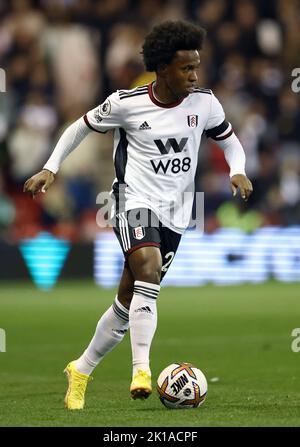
{"x": 106, "y": 116}
{"x": 216, "y": 115}
{"x": 217, "y": 127}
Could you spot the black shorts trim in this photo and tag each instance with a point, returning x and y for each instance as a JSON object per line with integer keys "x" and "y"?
{"x": 143, "y": 244}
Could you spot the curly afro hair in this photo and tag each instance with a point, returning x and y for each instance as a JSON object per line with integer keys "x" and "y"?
{"x": 168, "y": 37}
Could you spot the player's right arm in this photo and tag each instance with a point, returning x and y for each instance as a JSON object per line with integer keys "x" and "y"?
{"x": 69, "y": 140}
{"x": 100, "y": 119}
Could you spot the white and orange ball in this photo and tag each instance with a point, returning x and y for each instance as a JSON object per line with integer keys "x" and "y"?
{"x": 182, "y": 385}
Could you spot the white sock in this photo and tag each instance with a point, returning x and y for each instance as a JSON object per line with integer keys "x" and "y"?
{"x": 142, "y": 322}
{"x": 110, "y": 330}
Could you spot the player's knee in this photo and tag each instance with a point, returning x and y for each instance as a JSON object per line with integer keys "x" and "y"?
{"x": 146, "y": 265}
{"x": 149, "y": 273}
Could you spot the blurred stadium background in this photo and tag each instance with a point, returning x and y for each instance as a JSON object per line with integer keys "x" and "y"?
{"x": 63, "y": 57}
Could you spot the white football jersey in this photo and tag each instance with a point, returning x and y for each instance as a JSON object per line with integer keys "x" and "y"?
{"x": 156, "y": 148}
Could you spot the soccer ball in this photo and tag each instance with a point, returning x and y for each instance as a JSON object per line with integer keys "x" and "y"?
{"x": 182, "y": 385}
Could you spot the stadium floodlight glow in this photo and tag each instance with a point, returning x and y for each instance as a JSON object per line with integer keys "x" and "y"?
{"x": 44, "y": 257}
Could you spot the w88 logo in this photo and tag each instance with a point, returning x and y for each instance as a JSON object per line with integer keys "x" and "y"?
{"x": 173, "y": 165}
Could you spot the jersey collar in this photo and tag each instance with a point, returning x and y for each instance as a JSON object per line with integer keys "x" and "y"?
{"x": 161, "y": 104}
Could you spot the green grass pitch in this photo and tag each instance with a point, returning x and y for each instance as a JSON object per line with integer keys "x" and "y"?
{"x": 241, "y": 334}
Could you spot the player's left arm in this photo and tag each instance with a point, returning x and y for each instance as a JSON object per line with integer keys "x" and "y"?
{"x": 236, "y": 159}
{"x": 234, "y": 153}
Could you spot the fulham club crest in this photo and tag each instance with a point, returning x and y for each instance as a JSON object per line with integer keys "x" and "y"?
{"x": 192, "y": 120}
{"x": 139, "y": 233}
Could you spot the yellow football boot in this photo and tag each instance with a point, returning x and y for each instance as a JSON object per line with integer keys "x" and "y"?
{"x": 140, "y": 387}
{"x": 74, "y": 399}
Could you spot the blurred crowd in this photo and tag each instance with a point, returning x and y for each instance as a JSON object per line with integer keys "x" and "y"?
{"x": 63, "y": 57}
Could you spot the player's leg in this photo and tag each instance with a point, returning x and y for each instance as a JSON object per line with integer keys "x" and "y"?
{"x": 111, "y": 327}
{"x": 147, "y": 269}
{"x": 145, "y": 265}
{"x": 110, "y": 331}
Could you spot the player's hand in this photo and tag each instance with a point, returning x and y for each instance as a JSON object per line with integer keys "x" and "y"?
{"x": 241, "y": 182}
{"x": 39, "y": 182}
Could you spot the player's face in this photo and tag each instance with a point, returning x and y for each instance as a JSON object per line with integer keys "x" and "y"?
{"x": 181, "y": 75}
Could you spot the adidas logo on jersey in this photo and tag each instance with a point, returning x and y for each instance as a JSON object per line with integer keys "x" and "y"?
{"x": 144, "y": 126}
{"x": 144, "y": 309}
